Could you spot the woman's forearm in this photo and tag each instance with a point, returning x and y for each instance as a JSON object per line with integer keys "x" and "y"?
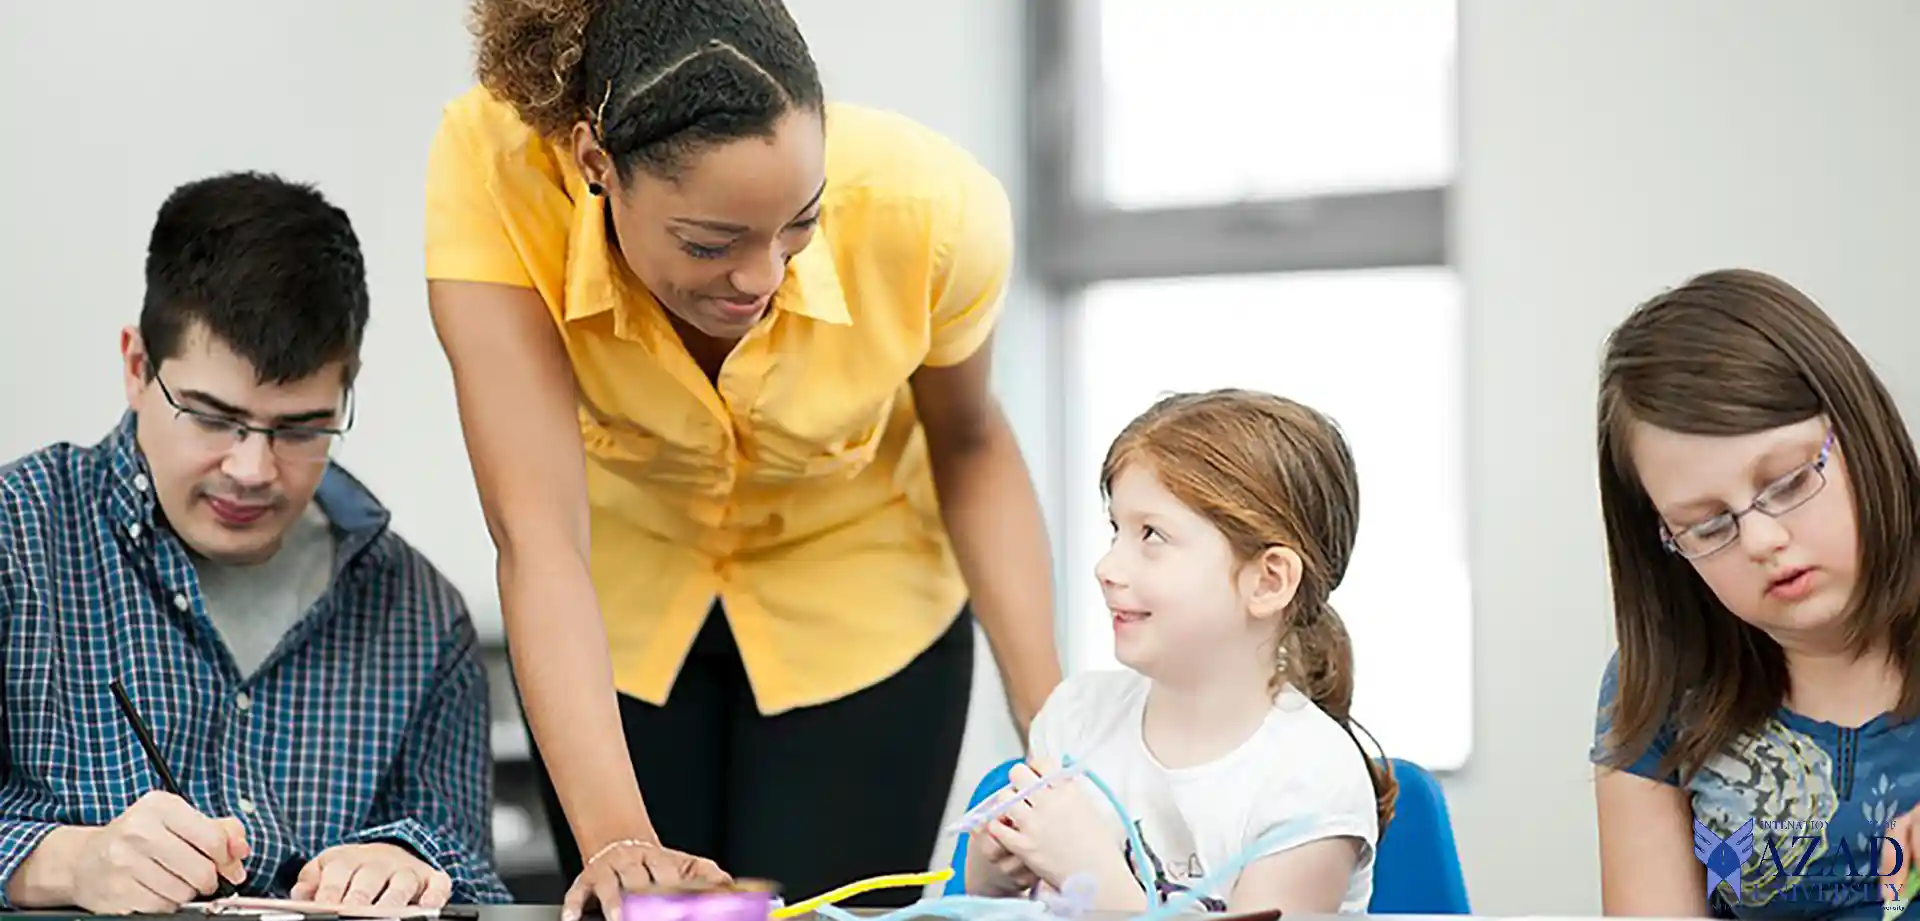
{"x": 519, "y": 413}
{"x": 560, "y": 662}
{"x": 1000, "y": 540}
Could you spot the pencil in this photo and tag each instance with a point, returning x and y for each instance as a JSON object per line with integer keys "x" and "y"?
{"x": 167, "y": 782}
{"x": 311, "y": 909}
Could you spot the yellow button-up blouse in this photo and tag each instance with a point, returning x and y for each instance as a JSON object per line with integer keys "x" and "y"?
{"x": 797, "y": 490}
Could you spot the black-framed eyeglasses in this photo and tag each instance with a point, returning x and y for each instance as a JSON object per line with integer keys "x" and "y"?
{"x": 1778, "y": 498}
{"x": 216, "y": 433}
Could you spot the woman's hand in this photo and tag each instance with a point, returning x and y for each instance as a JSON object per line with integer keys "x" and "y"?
{"x": 629, "y": 866}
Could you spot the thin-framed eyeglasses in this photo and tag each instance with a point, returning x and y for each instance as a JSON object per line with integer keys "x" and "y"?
{"x": 216, "y": 433}
{"x": 1779, "y": 497}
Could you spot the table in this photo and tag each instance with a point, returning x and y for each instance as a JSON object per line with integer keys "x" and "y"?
{"x": 552, "y": 913}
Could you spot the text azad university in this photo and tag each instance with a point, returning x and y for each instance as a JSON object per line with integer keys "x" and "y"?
{"x": 1854, "y": 873}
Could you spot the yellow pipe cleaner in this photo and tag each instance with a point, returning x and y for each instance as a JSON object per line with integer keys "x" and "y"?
{"x": 890, "y": 881}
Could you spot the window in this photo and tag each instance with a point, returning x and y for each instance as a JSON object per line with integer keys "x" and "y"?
{"x": 1253, "y": 193}
{"x": 1399, "y": 400}
{"x": 1206, "y": 101}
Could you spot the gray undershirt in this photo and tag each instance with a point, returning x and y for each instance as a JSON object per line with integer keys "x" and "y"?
{"x": 254, "y": 607}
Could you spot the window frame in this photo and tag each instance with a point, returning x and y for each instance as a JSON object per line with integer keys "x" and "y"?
{"x": 1074, "y": 239}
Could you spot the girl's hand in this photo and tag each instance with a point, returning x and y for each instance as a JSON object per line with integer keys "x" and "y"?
{"x": 1009, "y": 874}
{"x": 1058, "y": 831}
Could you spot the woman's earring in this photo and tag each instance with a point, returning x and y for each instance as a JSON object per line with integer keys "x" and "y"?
{"x": 596, "y": 189}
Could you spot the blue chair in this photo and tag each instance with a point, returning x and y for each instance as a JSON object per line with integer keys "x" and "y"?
{"x": 1416, "y": 869}
{"x": 995, "y": 779}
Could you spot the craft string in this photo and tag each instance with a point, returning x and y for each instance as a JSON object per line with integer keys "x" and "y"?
{"x": 983, "y": 908}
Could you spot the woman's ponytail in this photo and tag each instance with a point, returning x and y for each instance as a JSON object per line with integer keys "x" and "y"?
{"x": 528, "y": 56}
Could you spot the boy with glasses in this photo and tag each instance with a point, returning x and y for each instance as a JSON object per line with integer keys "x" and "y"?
{"x": 309, "y": 678}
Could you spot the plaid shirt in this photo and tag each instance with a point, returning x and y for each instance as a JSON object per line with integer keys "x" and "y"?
{"x": 368, "y": 723}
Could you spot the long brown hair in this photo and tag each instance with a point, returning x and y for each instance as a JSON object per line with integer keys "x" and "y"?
{"x": 1734, "y": 352}
{"x": 1267, "y": 472}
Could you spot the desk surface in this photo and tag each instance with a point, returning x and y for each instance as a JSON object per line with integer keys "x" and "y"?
{"x": 552, "y": 913}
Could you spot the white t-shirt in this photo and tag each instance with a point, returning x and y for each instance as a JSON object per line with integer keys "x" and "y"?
{"x": 1299, "y": 763}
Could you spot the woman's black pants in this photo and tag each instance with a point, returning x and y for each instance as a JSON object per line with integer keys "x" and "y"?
{"x": 813, "y": 798}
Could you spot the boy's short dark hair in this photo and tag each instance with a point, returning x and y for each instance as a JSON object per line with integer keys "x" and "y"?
{"x": 268, "y": 266}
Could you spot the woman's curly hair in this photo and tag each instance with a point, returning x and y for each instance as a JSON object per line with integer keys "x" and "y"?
{"x": 529, "y": 54}
{"x": 656, "y": 78}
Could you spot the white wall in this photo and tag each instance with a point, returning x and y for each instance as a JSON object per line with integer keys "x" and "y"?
{"x": 1610, "y": 149}
{"x": 110, "y": 105}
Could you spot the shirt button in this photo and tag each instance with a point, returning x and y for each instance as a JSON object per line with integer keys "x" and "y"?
{"x": 133, "y": 530}
{"x": 246, "y": 805}
{"x": 242, "y": 701}
{"x": 140, "y": 482}
{"x": 180, "y": 602}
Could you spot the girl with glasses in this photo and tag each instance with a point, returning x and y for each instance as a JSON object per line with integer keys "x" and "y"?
{"x": 1755, "y": 750}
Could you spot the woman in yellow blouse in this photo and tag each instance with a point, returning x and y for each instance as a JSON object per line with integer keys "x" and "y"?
{"x": 721, "y": 353}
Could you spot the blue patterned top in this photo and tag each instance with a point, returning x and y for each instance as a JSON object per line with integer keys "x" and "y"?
{"x": 1820, "y": 797}
{"x": 368, "y": 723}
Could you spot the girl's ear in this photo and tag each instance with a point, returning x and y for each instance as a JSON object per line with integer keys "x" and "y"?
{"x": 1271, "y": 580}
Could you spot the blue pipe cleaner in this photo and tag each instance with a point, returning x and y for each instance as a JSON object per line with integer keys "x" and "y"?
{"x": 985, "y": 908}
